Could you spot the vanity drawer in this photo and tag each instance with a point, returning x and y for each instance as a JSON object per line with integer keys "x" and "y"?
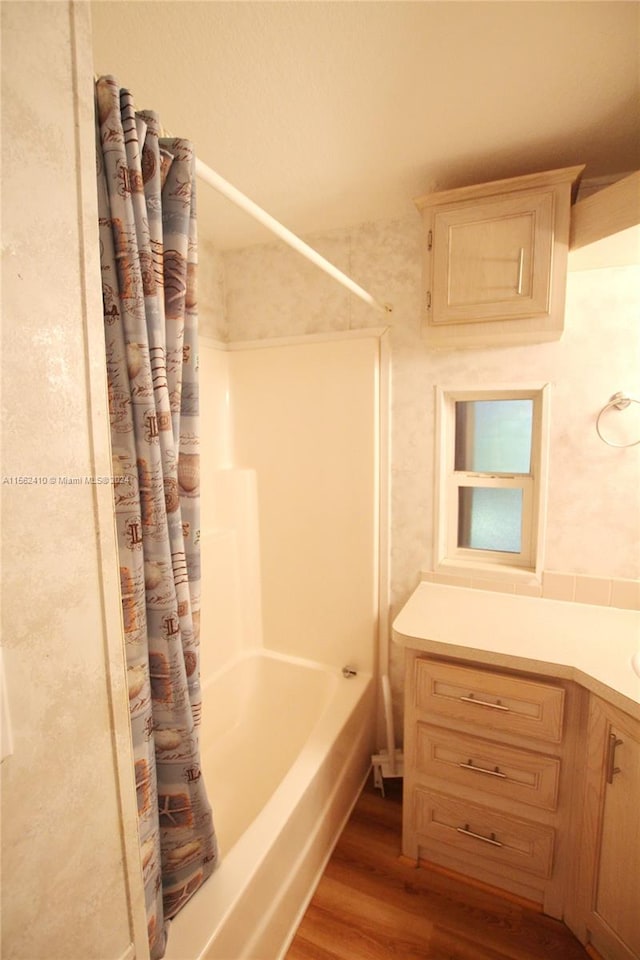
{"x": 487, "y": 767}
{"x": 474, "y": 832}
{"x": 493, "y": 701}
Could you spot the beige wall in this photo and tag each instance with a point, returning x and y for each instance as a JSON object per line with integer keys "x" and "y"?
{"x": 70, "y": 871}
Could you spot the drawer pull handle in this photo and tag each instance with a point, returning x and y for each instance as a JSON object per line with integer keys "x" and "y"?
{"x": 484, "y": 703}
{"x": 496, "y": 772}
{"x": 478, "y": 836}
{"x": 611, "y": 756}
{"x": 520, "y": 270}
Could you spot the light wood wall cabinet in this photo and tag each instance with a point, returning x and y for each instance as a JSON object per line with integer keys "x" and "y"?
{"x": 488, "y": 776}
{"x": 609, "y": 881}
{"x": 496, "y": 260}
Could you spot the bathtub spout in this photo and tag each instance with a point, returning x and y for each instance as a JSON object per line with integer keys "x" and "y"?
{"x": 349, "y": 672}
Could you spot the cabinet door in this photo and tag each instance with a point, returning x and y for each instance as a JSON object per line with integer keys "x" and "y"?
{"x": 614, "y": 781}
{"x": 492, "y": 259}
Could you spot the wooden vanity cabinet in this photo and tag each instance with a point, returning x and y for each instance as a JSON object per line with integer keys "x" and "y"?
{"x": 489, "y": 759}
{"x": 528, "y": 784}
{"x": 496, "y": 259}
{"x": 609, "y": 875}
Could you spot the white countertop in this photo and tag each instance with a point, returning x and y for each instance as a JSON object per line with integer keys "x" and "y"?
{"x": 590, "y": 644}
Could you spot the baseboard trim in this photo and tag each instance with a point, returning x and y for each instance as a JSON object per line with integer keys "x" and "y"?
{"x": 592, "y": 952}
{"x": 480, "y": 885}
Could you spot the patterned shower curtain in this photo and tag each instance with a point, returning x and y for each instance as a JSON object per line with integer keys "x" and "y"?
{"x": 146, "y": 189}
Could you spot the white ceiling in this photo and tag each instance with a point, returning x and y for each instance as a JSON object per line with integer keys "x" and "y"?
{"x": 337, "y": 112}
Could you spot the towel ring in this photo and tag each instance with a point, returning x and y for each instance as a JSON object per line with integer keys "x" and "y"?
{"x": 620, "y": 401}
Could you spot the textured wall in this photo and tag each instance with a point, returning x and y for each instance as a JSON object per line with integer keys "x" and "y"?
{"x": 211, "y": 313}
{"x": 68, "y": 799}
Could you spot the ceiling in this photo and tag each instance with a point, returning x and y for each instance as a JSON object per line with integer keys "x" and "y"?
{"x": 337, "y": 112}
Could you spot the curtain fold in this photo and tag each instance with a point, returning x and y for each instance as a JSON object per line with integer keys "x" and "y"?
{"x": 148, "y": 245}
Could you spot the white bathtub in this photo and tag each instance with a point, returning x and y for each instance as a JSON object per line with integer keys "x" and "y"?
{"x": 286, "y": 745}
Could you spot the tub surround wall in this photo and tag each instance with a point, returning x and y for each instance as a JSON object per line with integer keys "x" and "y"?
{"x": 306, "y": 418}
{"x": 289, "y": 523}
{"x": 230, "y": 555}
{"x": 72, "y": 883}
{"x": 232, "y": 614}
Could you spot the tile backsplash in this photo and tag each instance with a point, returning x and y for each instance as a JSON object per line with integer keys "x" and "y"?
{"x": 577, "y": 587}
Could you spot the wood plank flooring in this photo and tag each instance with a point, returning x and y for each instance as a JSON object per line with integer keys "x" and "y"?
{"x": 370, "y": 905}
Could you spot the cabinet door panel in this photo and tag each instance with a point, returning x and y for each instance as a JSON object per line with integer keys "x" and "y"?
{"x": 487, "y": 261}
{"x": 493, "y": 260}
{"x": 617, "y": 883}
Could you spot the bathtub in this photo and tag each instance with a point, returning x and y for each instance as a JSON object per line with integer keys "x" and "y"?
{"x": 286, "y": 746}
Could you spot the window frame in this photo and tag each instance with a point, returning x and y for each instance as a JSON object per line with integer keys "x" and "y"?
{"x": 449, "y": 558}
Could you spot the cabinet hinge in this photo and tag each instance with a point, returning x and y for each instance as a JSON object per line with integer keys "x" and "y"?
{"x": 430, "y": 240}
{"x": 428, "y": 299}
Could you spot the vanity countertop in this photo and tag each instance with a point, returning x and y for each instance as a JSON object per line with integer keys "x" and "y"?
{"x": 593, "y": 645}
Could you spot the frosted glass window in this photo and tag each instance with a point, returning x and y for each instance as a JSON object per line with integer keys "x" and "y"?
{"x": 491, "y": 463}
{"x": 493, "y": 436}
{"x": 490, "y": 518}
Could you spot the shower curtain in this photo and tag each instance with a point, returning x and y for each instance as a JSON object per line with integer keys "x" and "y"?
{"x": 148, "y": 245}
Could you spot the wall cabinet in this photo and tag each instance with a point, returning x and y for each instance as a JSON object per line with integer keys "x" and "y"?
{"x": 609, "y": 885}
{"x": 487, "y": 777}
{"x": 496, "y": 258}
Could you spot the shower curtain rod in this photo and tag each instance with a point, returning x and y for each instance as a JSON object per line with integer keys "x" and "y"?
{"x": 232, "y": 193}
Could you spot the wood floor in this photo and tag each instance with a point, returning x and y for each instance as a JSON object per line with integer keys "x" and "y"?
{"x": 371, "y": 905}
